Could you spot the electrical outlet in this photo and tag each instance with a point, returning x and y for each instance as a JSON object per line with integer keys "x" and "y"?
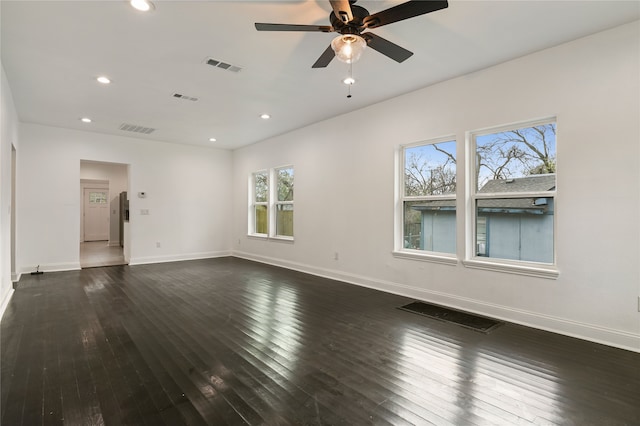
{"x": 336, "y": 256}
{"x": 638, "y": 303}
{"x": 144, "y": 212}
{"x": 158, "y": 244}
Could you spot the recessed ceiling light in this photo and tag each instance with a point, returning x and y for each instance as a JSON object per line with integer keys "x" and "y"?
{"x": 104, "y": 80}
{"x": 85, "y": 120}
{"x": 349, "y": 80}
{"x": 265, "y": 116}
{"x": 142, "y": 5}
{"x": 212, "y": 139}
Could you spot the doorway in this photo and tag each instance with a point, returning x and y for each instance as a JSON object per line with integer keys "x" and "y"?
{"x": 101, "y": 241}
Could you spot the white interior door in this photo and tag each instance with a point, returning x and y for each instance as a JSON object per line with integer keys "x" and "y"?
{"x": 96, "y": 214}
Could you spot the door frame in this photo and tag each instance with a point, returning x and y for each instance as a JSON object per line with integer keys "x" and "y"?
{"x": 14, "y": 274}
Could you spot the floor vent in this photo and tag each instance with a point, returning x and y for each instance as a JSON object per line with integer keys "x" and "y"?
{"x": 185, "y": 97}
{"x": 136, "y": 129}
{"x": 464, "y": 319}
{"x": 222, "y": 65}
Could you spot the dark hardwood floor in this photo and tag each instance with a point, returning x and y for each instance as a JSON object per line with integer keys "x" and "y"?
{"x": 232, "y": 342}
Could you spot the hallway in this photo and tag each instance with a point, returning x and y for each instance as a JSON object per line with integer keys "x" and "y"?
{"x": 98, "y": 253}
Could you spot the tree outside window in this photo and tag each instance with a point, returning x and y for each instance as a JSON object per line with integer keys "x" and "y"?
{"x": 515, "y": 153}
{"x": 284, "y": 202}
{"x": 429, "y": 196}
{"x": 260, "y": 203}
{"x": 271, "y": 203}
{"x": 514, "y": 198}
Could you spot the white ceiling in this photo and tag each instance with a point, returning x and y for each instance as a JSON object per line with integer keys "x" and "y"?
{"x": 52, "y": 51}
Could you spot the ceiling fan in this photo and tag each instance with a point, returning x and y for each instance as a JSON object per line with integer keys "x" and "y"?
{"x": 350, "y": 20}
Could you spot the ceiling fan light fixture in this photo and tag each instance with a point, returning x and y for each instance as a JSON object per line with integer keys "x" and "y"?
{"x": 348, "y": 47}
{"x": 142, "y": 5}
{"x": 349, "y": 81}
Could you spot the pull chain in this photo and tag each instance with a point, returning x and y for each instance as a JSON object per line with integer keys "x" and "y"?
{"x": 350, "y": 80}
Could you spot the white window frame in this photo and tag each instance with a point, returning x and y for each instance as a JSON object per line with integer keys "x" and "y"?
{"x": 271, "y": 204}
{"x": 471, "y": 260}
{"x": 253, "y": 203}
{"x": 273, "y": 228}
{"x": 400, "y": 198}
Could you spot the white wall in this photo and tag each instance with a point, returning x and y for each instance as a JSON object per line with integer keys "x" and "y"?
{"x": 344, "y": 189}
{"x": 8, "y": 137}
{"x": 116, "y": 175}
{"x": 187, "y": 197}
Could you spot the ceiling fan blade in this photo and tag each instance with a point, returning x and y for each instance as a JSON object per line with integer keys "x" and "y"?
{"x": 404, "y": 11}
{"x": 387, "y": 48}
{"x": 342, "y": 9}
{"x": 289, "y": 27}
{"x": 325, "y": 58}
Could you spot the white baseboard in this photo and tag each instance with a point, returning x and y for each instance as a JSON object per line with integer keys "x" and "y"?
{"x": 5, "y": 301}
{"x": 585, "y": 331}
{"x": 51, "y": 267}
{"x": 57, "y": 267}
{"x": 177, "y": 258}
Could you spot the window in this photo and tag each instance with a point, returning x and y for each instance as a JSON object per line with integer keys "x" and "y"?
{"x": 284, "y": 202}
{"x": 97, "y": 197}
{"x": 271, "y": 203}
{"x": 509, "y": 206}
{"x": 428, "y": 197}
{"x": 513, "y": 192}
{"x": 260, "y": 219}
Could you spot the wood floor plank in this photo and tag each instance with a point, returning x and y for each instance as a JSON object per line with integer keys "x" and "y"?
{"x": 232, "y": 342}
{"x": 199, "y": 371}
{"x": 259, "y": 354}
{"x": 10, "y": 343}
{"x": 180, "y": 365}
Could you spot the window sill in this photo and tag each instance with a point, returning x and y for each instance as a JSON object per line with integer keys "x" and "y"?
{"x": 542, "y": 271}
{"x": 426, "y": 257}
{"x": 282, "y": 238}
{"x": 266, "y": 237}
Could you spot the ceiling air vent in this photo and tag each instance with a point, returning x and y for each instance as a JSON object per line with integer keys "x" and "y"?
{"x": 185, "y": 97}
{"x": 137, "y": 129}
{"x": 222, "y": 65}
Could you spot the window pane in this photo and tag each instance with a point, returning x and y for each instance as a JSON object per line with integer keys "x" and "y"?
{"x": 285, "y": 184}
{"x": 261, "y": 187}
{"x": 98, "y": 197}
{"x": 430, "y": 225}
{"x": 515, "y": 228}
{"x": 505, "y": 157}
{"x": 284, "y": 220}
{"x": 430, "y": 169}
{"x": 261, "y": 219}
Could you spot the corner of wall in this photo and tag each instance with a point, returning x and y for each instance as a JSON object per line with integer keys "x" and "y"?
{"x": 5, "y": 301}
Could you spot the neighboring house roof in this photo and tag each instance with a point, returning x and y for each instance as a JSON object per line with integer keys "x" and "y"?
{"x": 524, "y": 184}
{"x": 503, "y": 205}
